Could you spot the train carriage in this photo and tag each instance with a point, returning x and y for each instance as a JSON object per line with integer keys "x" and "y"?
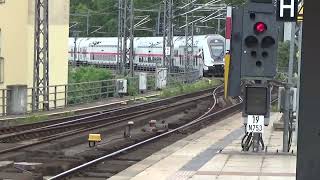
{"x": 209, "y": 51}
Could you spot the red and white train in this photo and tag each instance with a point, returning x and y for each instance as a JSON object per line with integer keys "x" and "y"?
{"x": 209, "y": 51}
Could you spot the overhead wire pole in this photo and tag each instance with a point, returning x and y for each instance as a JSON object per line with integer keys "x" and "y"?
{"x": 125, "y": 33}
{"x": 131, "y": 22}
{"x": 41, "y": 56}
{"x": 189, "y": 29}
{"x": 167, "y": 34}
{"x": 158, "y": 21}
{"x": 88, "y": 21}
{"x": 124, "y": 36}
{"x": 120, "y": 37}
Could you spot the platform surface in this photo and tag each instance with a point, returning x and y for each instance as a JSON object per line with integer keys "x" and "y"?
{"x": 215, "y": 153}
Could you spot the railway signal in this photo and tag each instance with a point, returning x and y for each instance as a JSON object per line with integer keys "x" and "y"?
{"x": 259, "y": 41}
{"x": 253, "y": 52}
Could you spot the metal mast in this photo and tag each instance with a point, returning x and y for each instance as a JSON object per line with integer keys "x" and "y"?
{"x": 41, "y": 56}
{"x": 125, "y": 33}
{"x": 130, "y": 21}
{"x": 188, "y": 51}
{"x": 167, "y": 34}
{"x": 120, "y": 66}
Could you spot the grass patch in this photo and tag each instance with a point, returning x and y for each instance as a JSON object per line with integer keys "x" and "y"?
{"x": 181, "y": 88}
{"x": 39, "y": 118}
{"x": 68, "y": 113}
{"x": 33, "y": 119}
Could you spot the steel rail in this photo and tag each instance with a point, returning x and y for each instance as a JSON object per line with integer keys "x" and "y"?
{"x": 89, "y": 122}
{"x": 205, "y": 116}
{"x": 63, "y": 135}
{"x": 71, "y": 119}
{"x": 201, "y": 118}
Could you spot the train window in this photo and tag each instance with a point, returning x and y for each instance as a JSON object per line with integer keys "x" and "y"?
{"x": 140, "y": 59}
{"x": 180, "y": 59}
{"x": 216, "y": 50}
{"x": 76, "y": 53}
{"x": 82, "y": 53}
{"x": 175, "y": 52}
{"x": 154, "y": 59}
{"x": 149, "y": 59}
{"x": 71, "y": 52}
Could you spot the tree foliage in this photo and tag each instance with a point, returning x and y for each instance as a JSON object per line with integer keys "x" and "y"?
{"x": 283, "y": 57}
{"x": 235, "y": 2}
{"x": 104, "y": 13}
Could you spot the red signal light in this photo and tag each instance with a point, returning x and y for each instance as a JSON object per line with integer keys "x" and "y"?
{"x": 260, "y": 27}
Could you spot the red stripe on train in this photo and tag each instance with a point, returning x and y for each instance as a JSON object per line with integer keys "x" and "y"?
{"x": 114, "y": 53}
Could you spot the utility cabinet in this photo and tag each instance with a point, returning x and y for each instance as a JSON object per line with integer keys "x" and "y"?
{"x": 122, "y": 86}
{"x": 161, "y": 78}
{"x": 143, "y": 82}
{"x": 16, "y": 99}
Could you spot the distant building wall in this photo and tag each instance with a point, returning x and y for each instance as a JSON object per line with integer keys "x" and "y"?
{"x": 17, "y": 42}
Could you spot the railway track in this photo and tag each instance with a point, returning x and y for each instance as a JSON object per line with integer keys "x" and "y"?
{"x": 86, "y": 123}
{"x": 94, "y": 170}
{"x": 57, "y": 129}
{"x": 124, "y": 157}
{"x": 116, "y": 149}
{"x": 96, "y": 114}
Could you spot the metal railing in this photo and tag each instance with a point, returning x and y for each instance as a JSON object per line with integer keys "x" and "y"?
{"x": 66, "y": 95}
{"x": 183, "y": 77}
{"x": 3, "y": 101}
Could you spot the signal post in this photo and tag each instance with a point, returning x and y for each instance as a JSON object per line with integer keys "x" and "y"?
{"x": 254, "y": 45}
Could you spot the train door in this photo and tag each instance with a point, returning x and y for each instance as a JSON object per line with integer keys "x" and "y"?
{"x": 181, "y": 58}
{"x": 200, "y": 62}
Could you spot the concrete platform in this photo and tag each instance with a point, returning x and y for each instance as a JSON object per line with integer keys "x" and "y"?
{"x": 215, "y": 153}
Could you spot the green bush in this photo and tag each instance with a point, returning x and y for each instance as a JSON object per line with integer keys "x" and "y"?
{"x": 181, "y": 88}
{"x": 151, "y": 82}
{"x": 87, "y": 74}
{"x": 86, "y": 92}
{"x": 133, "y": 86}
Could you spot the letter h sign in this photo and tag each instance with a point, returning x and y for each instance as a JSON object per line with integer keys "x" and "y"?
{"x": 287, "y": 10}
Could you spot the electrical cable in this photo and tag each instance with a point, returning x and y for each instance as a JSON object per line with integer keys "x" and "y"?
{"x": 290, "y": 134}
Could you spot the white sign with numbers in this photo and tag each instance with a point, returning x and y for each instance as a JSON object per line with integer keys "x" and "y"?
{"x": 255, "y": 124}
{"x": 168, "y": 51}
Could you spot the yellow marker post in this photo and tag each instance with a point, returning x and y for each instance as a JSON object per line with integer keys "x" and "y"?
{"x": 93, "y": 138}
{"x": 226, "y": 74}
